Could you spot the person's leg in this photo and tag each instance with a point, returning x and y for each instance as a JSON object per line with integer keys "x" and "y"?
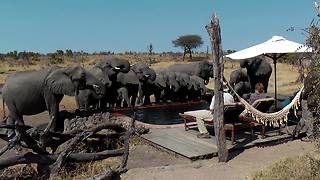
{"x": 298, "y": 128}
{"x": 308, "y": 119}
{"x": 201, "y": 125}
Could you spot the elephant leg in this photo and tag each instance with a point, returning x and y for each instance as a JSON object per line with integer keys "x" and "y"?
{"x": 134, "y": 99}
{"x": 147, "y": 99}
{"x": 13, "y": 119}
{"x": 119, "y": 102}
{"x": 157, "y": 97}
{"x": 140, "y": 95}
{"x": 53, "y": 108}
{"x": 126, "y": 101}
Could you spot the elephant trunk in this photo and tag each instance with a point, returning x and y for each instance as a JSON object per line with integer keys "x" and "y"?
{"x": 122, "y": 66}
{"x": 152, "y": 74}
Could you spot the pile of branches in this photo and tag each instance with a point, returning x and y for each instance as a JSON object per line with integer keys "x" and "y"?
{"x": 84, "y": 139}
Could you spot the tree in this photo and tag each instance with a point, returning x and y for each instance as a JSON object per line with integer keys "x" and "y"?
{"x": 187, "y": 43}
{"x": 150, "y": 49}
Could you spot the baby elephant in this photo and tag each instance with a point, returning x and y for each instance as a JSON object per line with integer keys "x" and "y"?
{"x": 32, "y": 92}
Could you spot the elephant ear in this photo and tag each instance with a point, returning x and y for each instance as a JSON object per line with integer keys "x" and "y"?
{"x": 59, "y": 82}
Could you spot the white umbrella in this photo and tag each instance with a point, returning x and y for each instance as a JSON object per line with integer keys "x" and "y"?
{"x": 274, "y": 48}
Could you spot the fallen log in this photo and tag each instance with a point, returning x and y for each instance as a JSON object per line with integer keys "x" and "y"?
{"x": 109, "y": 173}
{"x": 54, "y": 168}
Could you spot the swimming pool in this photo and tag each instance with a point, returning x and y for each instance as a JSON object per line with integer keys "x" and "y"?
{"x": 166, "y": 115}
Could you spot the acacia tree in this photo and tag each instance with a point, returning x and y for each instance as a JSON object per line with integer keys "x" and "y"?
{"x": 187, "y": 43}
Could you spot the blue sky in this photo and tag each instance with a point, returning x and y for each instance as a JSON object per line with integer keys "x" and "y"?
{"x": 124, "y": 25}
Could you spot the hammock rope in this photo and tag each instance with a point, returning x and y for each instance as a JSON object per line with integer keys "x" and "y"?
{"x": 275, "y": 118}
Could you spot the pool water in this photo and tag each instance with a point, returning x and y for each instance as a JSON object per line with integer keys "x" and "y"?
{"x": 166, "y": 115}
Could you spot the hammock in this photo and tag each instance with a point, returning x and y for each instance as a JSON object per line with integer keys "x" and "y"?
{"x": 276, "y": 118}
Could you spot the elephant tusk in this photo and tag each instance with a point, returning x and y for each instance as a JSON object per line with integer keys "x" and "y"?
{"x": 147, "y": 75}
{"x": 96, "y": 86}
{"x": 117, "y": 68}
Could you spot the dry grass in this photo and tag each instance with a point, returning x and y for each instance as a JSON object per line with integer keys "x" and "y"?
{"x": 295, "y": 168}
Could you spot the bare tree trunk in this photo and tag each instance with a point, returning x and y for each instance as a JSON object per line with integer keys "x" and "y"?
{"x": 190, "y": 53}
{"x": 213, "y": 30}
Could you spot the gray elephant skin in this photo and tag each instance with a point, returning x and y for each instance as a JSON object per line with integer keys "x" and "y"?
{"x": 106, "y": 71}
{"x": 136, "y": 82}
{"x": 32, "y": 92}
{"x": 157, "y": 88}
{"x": 199, "y": 88}
{"x": 185, "y": 86}
{"x": 238, "y": 75}
{"x": 87, "y": 97}
{"x": 203, "y": 69}
{"x": 258, "y": 70}
{"x": 242, "y": 88}
{"x": 173, "y": 85}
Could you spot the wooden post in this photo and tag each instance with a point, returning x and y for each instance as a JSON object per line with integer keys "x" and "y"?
{"x": 213, "y": 30}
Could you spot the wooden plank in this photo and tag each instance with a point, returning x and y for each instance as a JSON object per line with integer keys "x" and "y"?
{"x": 188, "y": 145}
{"x": 181, "y": 142}
{"x": 184, "y": 139}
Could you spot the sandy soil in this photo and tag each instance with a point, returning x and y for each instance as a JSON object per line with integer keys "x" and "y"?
{"x": 240, "y": 167}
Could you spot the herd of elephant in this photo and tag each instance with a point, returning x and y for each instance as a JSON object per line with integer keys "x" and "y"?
{"x": 114, "y": 82}
{"x": 134, "y": 84}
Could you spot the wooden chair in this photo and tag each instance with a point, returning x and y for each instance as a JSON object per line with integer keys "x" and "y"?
{"x": 231, "y": 117}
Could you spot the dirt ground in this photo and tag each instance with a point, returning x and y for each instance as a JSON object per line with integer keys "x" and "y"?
{"x": 240, "y": 167}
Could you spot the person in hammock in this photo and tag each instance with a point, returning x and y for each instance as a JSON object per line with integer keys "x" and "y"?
{"x": 207, "y": 114}
{"x": 258, "y": 94}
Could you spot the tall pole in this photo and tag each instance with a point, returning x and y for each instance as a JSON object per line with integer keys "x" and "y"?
{"x": 214, "y": 32}
{"x": 275, "y": 81}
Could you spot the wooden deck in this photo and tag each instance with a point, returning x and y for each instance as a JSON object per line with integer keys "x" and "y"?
{"x": 186, "y": 143}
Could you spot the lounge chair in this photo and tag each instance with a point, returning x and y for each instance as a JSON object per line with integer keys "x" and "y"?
{"x": 231, "y": 118}
{"x": 262, "y": 105}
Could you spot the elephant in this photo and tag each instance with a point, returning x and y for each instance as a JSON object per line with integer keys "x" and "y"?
{"x": 173, "y": 85}
{"x": 242, "y": 88}
{"x": 32, "y": 92}
{"x": 136, "y": 82}
{"x": 157, "y": 88}
{"x": 199, "y": 88}
{"x": 106, "y": 71}
{"x": 238, "y": 75}
{"x": 258, "y": 70}
{"x": 112, "y": 66}
{"x": 203, "y": 69}
{"x": 185, "y": 85}
{"x": 87, "y": 97}
{"x": 123, "y": 97}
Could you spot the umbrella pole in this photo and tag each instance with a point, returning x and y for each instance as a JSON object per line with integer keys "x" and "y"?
{"x": 275, "y": 80}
